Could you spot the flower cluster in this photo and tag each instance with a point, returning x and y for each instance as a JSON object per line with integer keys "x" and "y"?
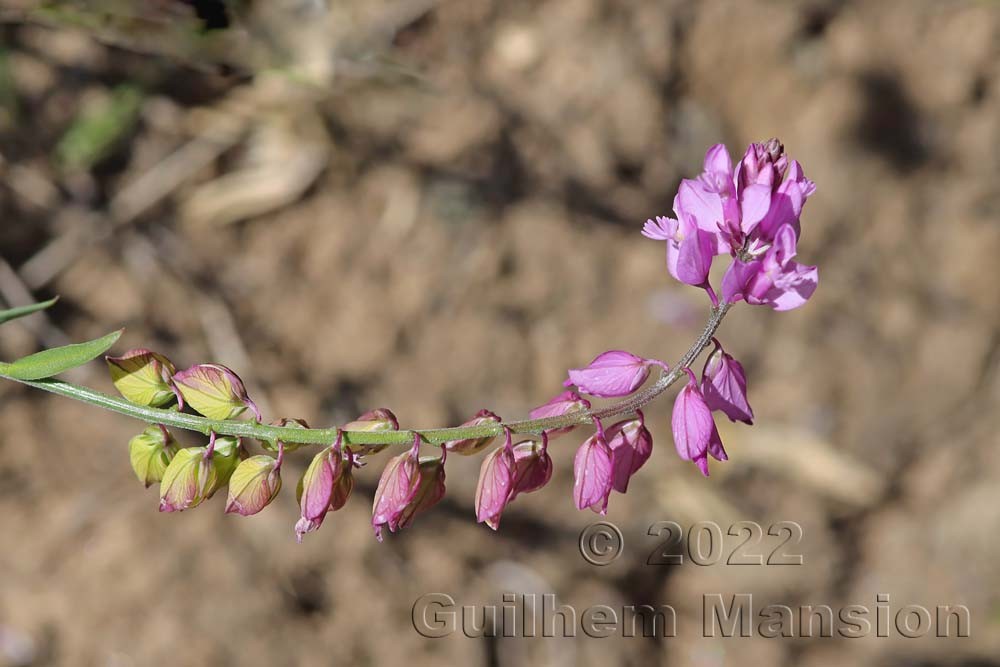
{"x": 750, "y": 212}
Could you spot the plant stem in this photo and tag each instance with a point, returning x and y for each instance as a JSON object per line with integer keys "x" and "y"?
{"x": 366, "y": 439}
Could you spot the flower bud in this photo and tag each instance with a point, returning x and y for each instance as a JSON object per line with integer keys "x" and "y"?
{"x": 592, "y": 468}
{"x": 532, "y": 467}
{"x": 724, "y": 385}
{"x": 343, "y": 485}
{"x": 253, "y": 485}
{"x": 226, "y": 453}
{"x": 409, "y": 486}
{"x": 763, "y": 164}
{"x": 566, "y": 402}
{"x": 316, "y": 488}
{"x": 150, "y": 453}
{"x": 631, "y": 446}
{"x": 214, "y": 391}
{"x": 612, "y": 373}
{"x": 496, "y": 484}
{"x": 470, "y": 446}
{"x": 429, "y": 492}
{"x": 395, "y": 489}
{"x": 143, "y": 377}
{"x": 379, "y": 419}
{"x": 695, "y": 433}
{"x": 188, "y": 480}
{"x": 286, "y": 422}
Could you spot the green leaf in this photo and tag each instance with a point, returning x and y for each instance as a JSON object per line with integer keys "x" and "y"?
{"x": 58, "y": 359}
{"x": 14, "y": 313}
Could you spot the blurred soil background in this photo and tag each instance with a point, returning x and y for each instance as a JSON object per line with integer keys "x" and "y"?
{"x": 436, "y": 208}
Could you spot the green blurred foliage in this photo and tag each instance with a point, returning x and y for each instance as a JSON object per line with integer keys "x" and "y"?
{"x": 98, "y": 128}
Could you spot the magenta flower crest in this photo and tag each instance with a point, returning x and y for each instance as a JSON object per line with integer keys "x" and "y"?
{"x": 742, "y": 213}
{"x": 775, "y": 279}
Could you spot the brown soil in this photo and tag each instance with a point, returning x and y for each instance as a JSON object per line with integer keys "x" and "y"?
{"x": 455, "y": 240}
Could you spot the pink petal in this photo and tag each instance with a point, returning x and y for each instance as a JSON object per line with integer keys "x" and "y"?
{"x": 734, "y": 282}
{"x": 724, "y": 386}
{"x": 532, "y": 468}
{"x": 395, "y": 490}
{"x": 794, "y": 287}
{"x": 692, "y": 423}
{"x": 496, "y": 480}
{"x": 592, "y": 468}
{"x": 717, "y": 160}
{"x": 704, "y": 207}
{"x": 755, "y": 201}
{"x": 610, "y": 374}
{"x": 694, "y": 259}
{"x": 662, "y": 229}
{"x": 631, "y": 445}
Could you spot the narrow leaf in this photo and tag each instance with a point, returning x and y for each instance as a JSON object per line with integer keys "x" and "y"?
{"x": 58, "y": 359}
{"x": 14, "y": 313}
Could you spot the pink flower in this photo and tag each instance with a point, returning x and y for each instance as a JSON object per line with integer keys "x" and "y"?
{"x": 409, "y": 486}
{"x": 631, "y": 445}
{"x": 327, "y": 474}
{"x": 773, "y": 280}
{"x": 592, "y": 473}
{"x": 564, "y": 403}
{"x": 724, "y": 385}
{"x": 507, "y": 472}
{"x": 695, "y": 433}
{"x": 532, "y": 466}
{"x": 430, "y": 488}
{"x": 613, "y": 373}
{"x": 738, "y": 212}
{"x": 496, "y": 484}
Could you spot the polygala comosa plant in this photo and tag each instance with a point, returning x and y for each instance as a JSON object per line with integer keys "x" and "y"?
{"x": 749, "y": 213}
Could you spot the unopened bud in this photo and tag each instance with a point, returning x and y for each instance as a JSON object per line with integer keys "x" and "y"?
{"x": 143, "y": 377}
{"x": 188, "y": 480}
{"x": 286, "y": 422}
{"x": 379, "y": 419}
{"x": 253, "y": 485}
{"x": 226, "y": 455}
{"x": 470, "y": 446}
{"x": 564, "y": 403}
{"x": 150, "y": 453}
{"x": 214, "y": 391}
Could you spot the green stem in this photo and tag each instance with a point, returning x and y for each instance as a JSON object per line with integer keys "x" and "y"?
{"x": 359, "y": 439}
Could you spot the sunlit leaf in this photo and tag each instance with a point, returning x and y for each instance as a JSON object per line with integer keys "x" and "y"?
{"x": 58, "y": 359}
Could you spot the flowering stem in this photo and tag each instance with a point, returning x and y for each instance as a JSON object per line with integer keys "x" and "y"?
{"x": 358, "y": 439}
